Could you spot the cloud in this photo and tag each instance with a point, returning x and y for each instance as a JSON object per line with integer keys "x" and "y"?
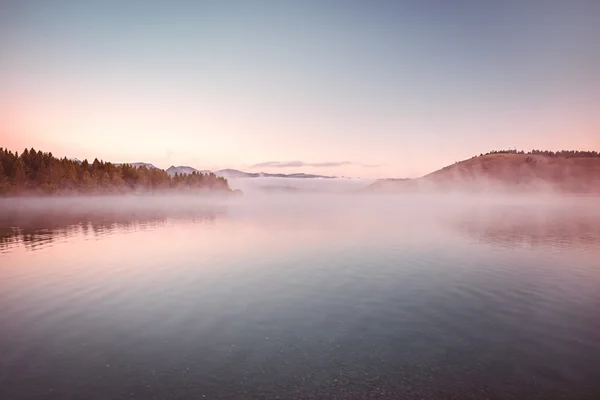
{"x": 300, "y": 164}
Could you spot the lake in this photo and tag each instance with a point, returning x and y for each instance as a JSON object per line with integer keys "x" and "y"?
{"x": 300, "y": 297}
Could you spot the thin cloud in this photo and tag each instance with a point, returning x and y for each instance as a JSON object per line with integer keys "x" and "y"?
{"x": 300, "y": 164}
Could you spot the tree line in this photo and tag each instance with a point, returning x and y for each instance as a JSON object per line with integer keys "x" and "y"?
{"x": 561, "y": 153}
{"x": 37, "y": 172}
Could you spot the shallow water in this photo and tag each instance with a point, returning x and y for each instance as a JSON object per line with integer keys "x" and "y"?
{"x": 300, "y": 297}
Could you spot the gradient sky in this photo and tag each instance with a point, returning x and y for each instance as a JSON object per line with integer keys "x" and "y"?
{"x": 359, "y": 88}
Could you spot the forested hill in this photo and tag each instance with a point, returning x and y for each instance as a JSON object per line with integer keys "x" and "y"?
{"x": 35, "y": 172}
{"x": 563, "y": 171}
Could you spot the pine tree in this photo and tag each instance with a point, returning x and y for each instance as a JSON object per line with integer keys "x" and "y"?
{"x": 70, "y": 175}
{"x": 117, "y": 178}
{"x": 55, "y": 173}
{"x": 3, "y": 180}
{"x": 19, "y": 177}
{"x": 86, "y": 181}
{"x": 104, "y": 179}
{"x": 42, "y": 175}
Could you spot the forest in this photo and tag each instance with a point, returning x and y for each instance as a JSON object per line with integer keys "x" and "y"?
{"x": 39, "y": 173}
{"x": 561, "y": 153}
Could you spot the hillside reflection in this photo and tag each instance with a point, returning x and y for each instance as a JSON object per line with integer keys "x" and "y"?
{"x": 37, "y": 229}
{"x": 573, "y": 223}
{"x": 518, "y": 227}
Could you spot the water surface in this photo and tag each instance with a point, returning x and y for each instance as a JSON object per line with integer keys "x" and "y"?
{"x": 308, "y": 297}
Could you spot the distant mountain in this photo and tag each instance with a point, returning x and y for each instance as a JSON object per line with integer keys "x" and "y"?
{"x": 390, "y": 185}
{"x": 143, "y": 164}
{"x": 234, "y": 173}
{"x": 301, "y": 175}
{"x": 227, "y": 173}
{"x": 139, "y": 164}
{"x": 184, "y": 169}
{"x": 507, "y": 171}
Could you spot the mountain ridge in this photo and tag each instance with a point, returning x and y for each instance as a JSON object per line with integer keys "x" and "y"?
{"x": 234, "y": 173}
{"x": 184, "y": 169}
{"x": 228, "y": 173}
{"x": 571, "y": 172}
{"x": 139, "y": 164}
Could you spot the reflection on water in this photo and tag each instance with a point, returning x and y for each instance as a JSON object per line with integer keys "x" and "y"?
{"x": 36, "y": 235}
{"x": 531, "y": 227}
{"x": 34, "y": 224}
{"x": 324, "y": 297}
{"x": 501, "y": 225}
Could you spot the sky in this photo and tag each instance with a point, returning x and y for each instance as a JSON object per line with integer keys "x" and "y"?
{"x": 369, "y": 89}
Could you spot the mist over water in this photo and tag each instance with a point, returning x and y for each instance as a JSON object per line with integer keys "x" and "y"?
{"x": 300, "y": 295}
{"x": 299, "y": 185}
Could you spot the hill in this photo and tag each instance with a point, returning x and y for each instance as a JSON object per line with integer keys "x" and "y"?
{"x": 572, "y": 172}
{"x": 184, "y": 169}
{"x": 139, "y": 165}
{"x": 234, "y": 173}
{"x": 391, "y": 185}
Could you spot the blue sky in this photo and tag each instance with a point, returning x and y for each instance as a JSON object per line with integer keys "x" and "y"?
{"x": 369, "y": 88}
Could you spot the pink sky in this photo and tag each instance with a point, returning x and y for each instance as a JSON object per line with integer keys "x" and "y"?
{"x": 130, "y": 130}
{"x": 363, "y": 91}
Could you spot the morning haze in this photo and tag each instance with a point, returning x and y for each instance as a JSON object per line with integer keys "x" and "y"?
{"x": 311, "y": 200}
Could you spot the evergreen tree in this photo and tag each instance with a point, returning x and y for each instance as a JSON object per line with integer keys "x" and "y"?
{"x": 104, "y": 179}
{"x": 70, "y": 175}
{"x": 87, "y": 182}
{"x": 42, "y": 173}
{"x": 116, "y": 178}
{"x": 3, "y": 180}
{"x": 19, "y": 177}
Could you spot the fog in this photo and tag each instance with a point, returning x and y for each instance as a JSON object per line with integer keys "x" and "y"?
{"x": 299, "y": 185}
{"x": 343, "y": 199}
{"x": 345, "y": 210}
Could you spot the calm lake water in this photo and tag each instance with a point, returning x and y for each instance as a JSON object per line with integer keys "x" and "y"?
{"x": 304, "y": 297}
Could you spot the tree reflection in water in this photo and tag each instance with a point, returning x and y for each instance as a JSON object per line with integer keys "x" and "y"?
{"x": 35, "y": 230}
